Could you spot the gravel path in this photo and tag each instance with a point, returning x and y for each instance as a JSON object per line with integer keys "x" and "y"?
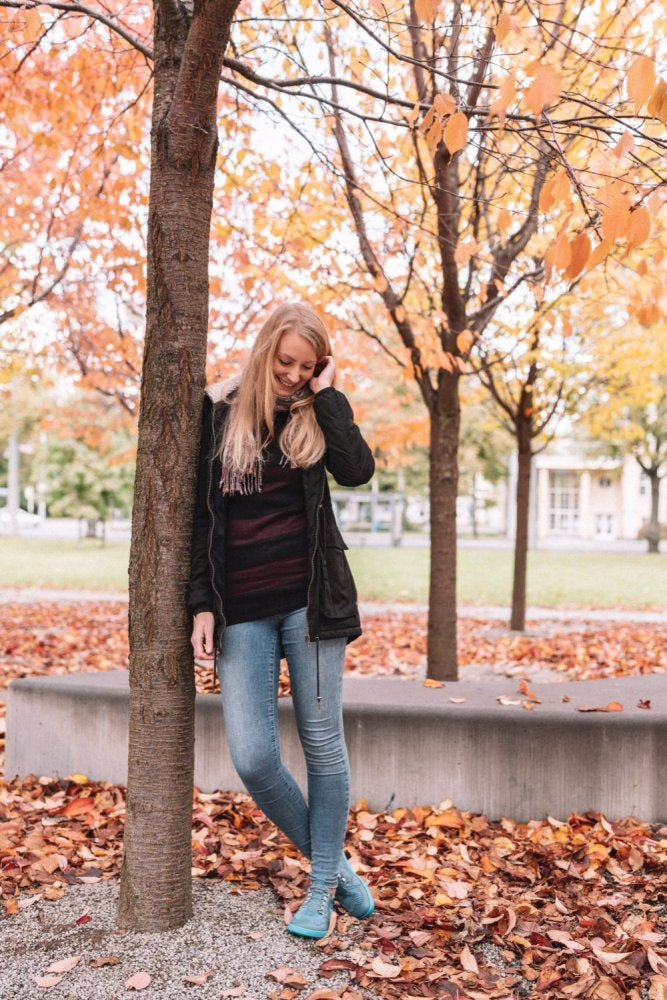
{"x": 217, "y": 937}
{"x": 25, "y": 595}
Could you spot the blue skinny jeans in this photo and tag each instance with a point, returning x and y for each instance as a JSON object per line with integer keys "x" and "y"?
{"x": 248, "y": 667}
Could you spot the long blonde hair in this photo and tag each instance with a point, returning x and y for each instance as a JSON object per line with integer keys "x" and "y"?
{"x": 253, "y": 405}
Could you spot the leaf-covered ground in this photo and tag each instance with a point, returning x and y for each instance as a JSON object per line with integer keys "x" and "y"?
{"x": 557, "y": 907}
{"x": 466, "y": 907}
{"x": 57, "y": 637}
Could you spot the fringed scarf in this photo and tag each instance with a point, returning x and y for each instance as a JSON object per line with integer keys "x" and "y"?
{"x": 235, "y": 481}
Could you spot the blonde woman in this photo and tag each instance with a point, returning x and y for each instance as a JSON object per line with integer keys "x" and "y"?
{"x": 269, "y": 577}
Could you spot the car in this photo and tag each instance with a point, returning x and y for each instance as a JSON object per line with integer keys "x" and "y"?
{"x": 23, "y": 518}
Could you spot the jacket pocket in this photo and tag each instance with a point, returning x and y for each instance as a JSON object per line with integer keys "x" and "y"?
{"x": 339, "y": 590}
{"x": 332, "y": 533}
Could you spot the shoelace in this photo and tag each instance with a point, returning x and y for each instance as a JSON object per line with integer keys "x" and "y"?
{"x": 310, "y": 895}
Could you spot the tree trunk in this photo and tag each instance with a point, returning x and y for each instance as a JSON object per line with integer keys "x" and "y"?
{"x": 518, "y": 617}
{"x": 653, "y": 533}
{"x": 443, "y": 486}
{"x": 156, "y": 889}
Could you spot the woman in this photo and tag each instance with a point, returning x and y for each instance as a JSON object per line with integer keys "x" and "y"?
{"x": 269, "y": 578}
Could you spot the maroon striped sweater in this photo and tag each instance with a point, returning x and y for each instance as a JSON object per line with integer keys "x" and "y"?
{"x": 266, "y": 561}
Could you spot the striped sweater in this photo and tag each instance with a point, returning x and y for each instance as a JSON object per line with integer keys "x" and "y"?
{"x": 266, "y": 565}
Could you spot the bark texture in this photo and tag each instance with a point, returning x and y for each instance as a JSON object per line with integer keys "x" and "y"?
{"x": 653, "y": 533}
{"x": 155, "y": 889}
{"x": 443, "y": 487}
{"x": 518, "y": 616}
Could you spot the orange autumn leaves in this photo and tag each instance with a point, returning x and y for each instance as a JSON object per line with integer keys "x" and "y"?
{"x": 619, "y": 221}
{"x": 644, "y": 88}
{"x": 617, "y": 206}
{"x": 544, "y": 89}
{"x": 52, "y": 637}
{"x": 465, "y": 906}
{"x": 443, "y": 123}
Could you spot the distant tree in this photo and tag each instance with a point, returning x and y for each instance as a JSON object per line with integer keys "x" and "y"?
{"x": 627, "y": 404}
{"x": 24, "y": 399}
{"x": 497, "y": 156}
{"x": 85, "y": 482}
{"x": 534, "y": 377}
{"x": 484, "y": 449}
{"x": 505, "y": 191}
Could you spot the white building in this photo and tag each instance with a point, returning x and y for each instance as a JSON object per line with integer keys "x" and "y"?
{"x": 577, "y": 495}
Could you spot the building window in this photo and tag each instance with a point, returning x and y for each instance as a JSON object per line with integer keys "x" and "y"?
{"x": 643, "y": 484}
{"x": 563, "y": 502}
{"x": 604, "y": 525}
{"x": 604, "y": 482}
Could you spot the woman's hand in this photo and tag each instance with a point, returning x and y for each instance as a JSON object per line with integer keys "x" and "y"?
{"x": 326, "y": 376}
{"x": 202, "y": 636}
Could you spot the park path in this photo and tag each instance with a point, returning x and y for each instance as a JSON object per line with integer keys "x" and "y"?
{"x": 25, "y": 595}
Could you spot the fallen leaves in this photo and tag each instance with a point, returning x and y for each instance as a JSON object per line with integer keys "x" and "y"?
{"x": 548, "y": 893}
{"x": 291, "y": 977}
{"x": 525, "y": 690}
{"x": 65, "y": 964}
{"x": 56, "y": 972}
{"x": 333, "y": 965}
{"x": 385, "y": 969}
{"x": 657, "y": 962}
{"x": 612, "y": 706}
{"x": 139, "y": 981}
{"x": 199, "y": 978}
{"x": 98, "y": 963}
{"x": 507, "y": 699}
{"x": 569, "y": 907}
{"x": 468, "y": 960}
{"x": 46, "y": 981}
{"x": 658, "y": 988}
{"x": 94, "y": 637}
{"x": 394, "y": 644}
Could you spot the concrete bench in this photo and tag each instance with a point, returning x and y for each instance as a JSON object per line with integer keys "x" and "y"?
{"x": 408, "y": 744}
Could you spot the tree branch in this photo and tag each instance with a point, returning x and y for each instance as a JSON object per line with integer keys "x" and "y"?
{"x": 37, "y": 297}
{"x": 97, "y": 15}
{"x": 373, "y": 266}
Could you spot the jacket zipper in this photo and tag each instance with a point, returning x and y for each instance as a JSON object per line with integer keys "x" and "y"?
{"x": 210, "y": 539}
{"x": 310, "y": 586}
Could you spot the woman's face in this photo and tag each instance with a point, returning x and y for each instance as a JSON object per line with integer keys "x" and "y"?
{"x": 293, "y": 363}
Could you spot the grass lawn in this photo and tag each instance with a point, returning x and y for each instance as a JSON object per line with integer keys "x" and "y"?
{"x": 485, "y": 575}
{"x": 583, "y": 579}
{"x": 85, "y": 565}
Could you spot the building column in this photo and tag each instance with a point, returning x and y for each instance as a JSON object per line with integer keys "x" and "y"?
{"x": 533, "y": 538}
{"x": 375, "y": 489}
{"x": 512, "y": 475}
{"x": 542, "y": 504}
{"x": 634, "y": 508}
{"x": 585, "y": 515}
{"x": 13, "y": 489}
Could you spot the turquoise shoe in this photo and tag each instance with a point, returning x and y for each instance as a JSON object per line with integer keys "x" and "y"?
{"x": 314, "y": 915}
{"x": 354, "y": 895}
